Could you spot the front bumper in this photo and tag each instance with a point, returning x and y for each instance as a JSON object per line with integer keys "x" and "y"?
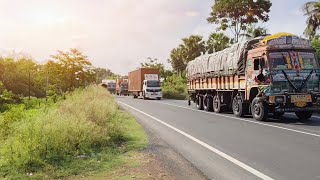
{"x": 153, "y": 94}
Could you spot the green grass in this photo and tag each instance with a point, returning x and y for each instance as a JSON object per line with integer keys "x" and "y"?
{"x": 85, "y": 134}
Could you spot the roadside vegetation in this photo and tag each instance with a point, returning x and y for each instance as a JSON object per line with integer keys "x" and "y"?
{"x": 174, "y": 87}
{"x": 86, "y": 132}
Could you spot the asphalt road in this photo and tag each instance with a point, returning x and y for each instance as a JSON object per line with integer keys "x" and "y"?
{"x": 223, "y": 146}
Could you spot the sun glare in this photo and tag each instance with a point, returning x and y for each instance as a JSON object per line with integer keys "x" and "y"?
{"x": 43, "y": 18}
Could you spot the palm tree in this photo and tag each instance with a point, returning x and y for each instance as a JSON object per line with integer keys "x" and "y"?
{"x": 312, "y": 10}
{"x": 253, "y": 32}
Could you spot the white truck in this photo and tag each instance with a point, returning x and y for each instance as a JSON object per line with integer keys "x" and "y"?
{"x": 145, "y": 83}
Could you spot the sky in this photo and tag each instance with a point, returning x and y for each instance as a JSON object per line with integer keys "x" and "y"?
{"x": 118, "y": 34}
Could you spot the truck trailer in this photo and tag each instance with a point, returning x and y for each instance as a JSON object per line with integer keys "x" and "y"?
{"x": 122, "y": 87}
{"x": 145, "y": 83}
{"x": 272, "y": 74}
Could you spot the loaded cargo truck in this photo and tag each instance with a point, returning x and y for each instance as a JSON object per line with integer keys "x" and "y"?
{"x": 110, "y": 85}
{"x": 274, "y": 74}
{"x": 122, "y": 87}
{"x": 145, "y": 83}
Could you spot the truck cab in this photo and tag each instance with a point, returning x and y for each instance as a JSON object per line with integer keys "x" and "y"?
{"x": 283, "y": 76}
{"x": 152, "y": 89}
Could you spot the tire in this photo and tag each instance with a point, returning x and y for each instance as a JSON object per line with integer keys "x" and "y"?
{"x": 158, "y": 98}
{"x": 217, "y": 104}
{"x": 200, "y": 103}
{"x": 239, "y": 109}
{"x": 208, "y": 103}
{"x": 304, "y": 116}
{"x": 144, "y": 96}
{"x": 278, "y": 115}
{"x": 259, "y": 109}
{"x": 135, "y": 96}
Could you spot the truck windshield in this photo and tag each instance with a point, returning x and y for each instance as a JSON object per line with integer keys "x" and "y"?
{"x": 153, "y": 83}
{"x": 293, "y": 60}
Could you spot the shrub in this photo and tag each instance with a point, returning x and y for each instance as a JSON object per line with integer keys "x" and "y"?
{"x": 175, "y": 87}
{"x": 84, "y": 123}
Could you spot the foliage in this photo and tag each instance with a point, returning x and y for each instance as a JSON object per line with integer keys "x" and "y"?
{"x": 191, "y": 48}
{"x": 312, "y": 10}
{"x": 65, "y": 72}
{"x": 174, "y": 87}
{"x": 153, "y": 63}
{"x": 102, "y": 74}
{"x": 253, "y": 32}
{"x": 217, "y": 42}
{"x": 49, "y": 141}
{"x": 75, "y": 67}
{"x": 237, "y": 15}
{"x": 316, "y": 45}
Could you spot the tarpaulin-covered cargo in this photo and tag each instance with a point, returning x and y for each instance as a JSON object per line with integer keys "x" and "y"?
{"x": 227, "y": 62}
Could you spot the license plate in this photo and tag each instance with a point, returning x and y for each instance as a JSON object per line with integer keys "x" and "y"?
{"x": 301, "y": 98}
{"x": 154, "y": 94}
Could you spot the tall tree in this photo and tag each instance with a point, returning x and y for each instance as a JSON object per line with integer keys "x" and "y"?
{"x": 75, "y": 66}
{"x": 254, "y": 31}
{"x": 312, "y": 10}
{"x": 217, "y": 42}
{"x": 237, "y": 15}
{"x": 191, "y": 48}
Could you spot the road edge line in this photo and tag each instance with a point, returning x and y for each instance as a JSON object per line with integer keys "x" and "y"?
{"x": 207, "y": 146}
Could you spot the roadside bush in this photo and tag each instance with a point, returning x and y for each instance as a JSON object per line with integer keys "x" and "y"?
{"x": 86, "y": 122}
{"x": 175, "y": 87}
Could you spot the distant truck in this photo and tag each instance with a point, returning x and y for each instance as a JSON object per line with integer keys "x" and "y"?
{"x": 145, "y": 83}
{"x": 110, "y": 85}
{"x": 122, "y": 87}
{"x": 273, "y": 74}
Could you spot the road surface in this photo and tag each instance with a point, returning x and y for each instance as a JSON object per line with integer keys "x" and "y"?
{"x": 223, "y": 146}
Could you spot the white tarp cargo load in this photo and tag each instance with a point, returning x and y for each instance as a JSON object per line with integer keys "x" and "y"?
{"x": 223, "y": 63}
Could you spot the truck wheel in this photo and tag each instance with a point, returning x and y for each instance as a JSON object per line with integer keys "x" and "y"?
{"x": 239, "y": 109}
{"x": 200, "y": 103}
{"x": 259, "y": 109}
{"x": 304, "y": 116}
{"x": 135, "y": 96}
{"x": 144, "y": 96}
{"x": 208, "y": 103}
{"x": 216, "y": 104}
{"x": 278, "y": 115}
{"x": 159, "y": 98}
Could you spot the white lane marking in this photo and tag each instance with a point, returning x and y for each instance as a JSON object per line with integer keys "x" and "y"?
{"x": 216, "y": 151}
{"x": 255, "y": 122}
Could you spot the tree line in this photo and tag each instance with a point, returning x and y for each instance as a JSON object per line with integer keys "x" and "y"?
{"x": 63, "y": 72}
{"x": 241, "y": 18}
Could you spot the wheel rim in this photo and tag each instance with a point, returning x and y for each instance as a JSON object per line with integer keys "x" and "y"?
{"x": 256, "y": 109}
{"x": 236, "y": 106}
{"x": 216, "y": 103}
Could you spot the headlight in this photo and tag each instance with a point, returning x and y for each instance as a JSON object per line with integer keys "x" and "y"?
{"x": 316, "y": 89}
{"x": 276, "y": 90}
{"x": 279, "y": 99}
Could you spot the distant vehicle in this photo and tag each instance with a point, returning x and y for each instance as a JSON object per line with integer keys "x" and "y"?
{"x": 110, "y": 84}
{"x": 273, "y": 74}
{"x": 122, "y": 87}
{"x": 145, "y": 83}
